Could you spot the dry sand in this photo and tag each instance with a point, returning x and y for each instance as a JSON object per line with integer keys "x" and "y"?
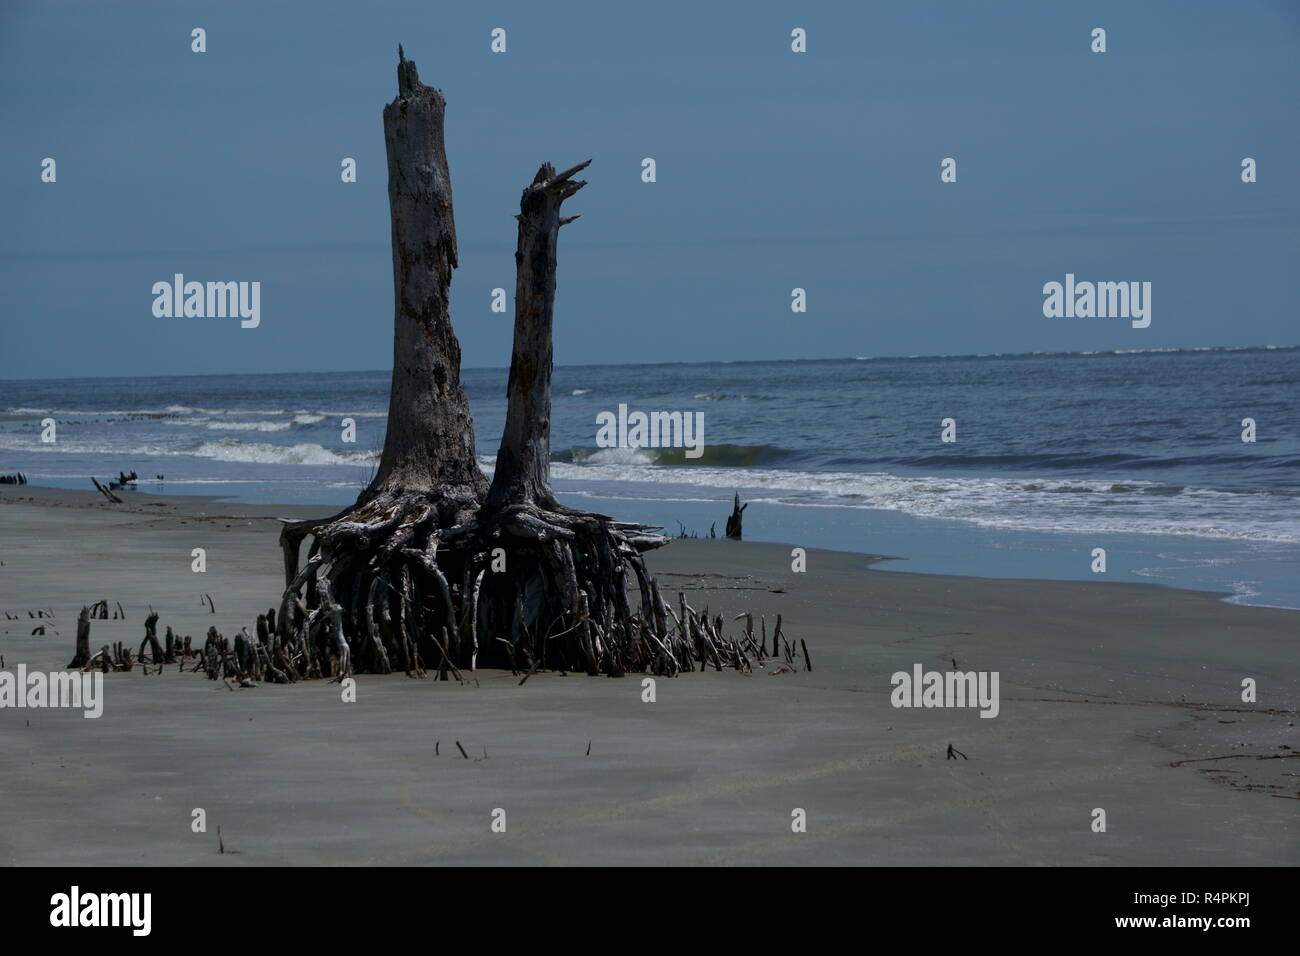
{"x": 1118, "y": 696}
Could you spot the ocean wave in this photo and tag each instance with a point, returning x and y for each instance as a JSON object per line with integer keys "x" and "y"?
{"x": 1118, "y": 460}
{"x": 1092, "y": 506}
{"x": 262, "y": 426}
{"x": 1081, "y": 506}
{"x": 171, "y": 412}
{"x": 309, "y": 453}
{"x": 224, "y": 449}
{"x": 610, "y": 456}
{"x": 721, "y": 456}
{"x": 250, "y": 426}
{"x": 1057, "y": 461}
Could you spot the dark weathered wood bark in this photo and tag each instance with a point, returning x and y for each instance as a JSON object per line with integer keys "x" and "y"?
{"x": 523, "y": 465}
{"x": 105, "y": 492}
{"x": 82, "y": 653}
{"x": 429, "y": 446}
{"x": 564, "y": 600}
{"x": 151, "y": 639}
{"x": 734, "y": 519}
{"x": 357, "y": 604}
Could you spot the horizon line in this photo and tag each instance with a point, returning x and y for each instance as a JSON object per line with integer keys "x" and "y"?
{"x": 838, "y": 358}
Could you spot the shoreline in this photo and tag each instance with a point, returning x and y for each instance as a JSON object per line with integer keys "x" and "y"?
{"x": 907, "y": 544}
{"x": 1117, "y": 696}
{"x": 196, "y": 507}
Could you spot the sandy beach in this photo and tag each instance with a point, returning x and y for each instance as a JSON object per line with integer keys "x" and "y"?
{"x": 1123, "y": 697}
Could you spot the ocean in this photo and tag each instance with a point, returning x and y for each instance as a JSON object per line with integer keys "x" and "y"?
{"x": 1137, "y": 452}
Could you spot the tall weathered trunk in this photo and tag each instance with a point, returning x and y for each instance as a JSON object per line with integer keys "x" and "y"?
{"x": 569, "y": 570}
{"x": 523, "y": 466}
{"x": 358, "y": 603}
{"x": 429, "y": 446}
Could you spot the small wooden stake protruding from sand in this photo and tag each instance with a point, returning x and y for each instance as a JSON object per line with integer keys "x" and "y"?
{"x": 151, "y": 639}
{"x": 81, "y": 655}
{"x": 734, "y": 519}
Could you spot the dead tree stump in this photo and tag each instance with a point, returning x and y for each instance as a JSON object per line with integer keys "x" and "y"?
{"x": 81, "y": 656}
{"x": 431, "y": 567}
{"x": 733, "y": 520}
{"x": 562, "y": 600}
{"x": 379, "y": 576}
{"x": 150, "y": 641}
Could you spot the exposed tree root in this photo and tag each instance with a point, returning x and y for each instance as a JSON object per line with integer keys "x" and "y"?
{"x": 385, "y": 588}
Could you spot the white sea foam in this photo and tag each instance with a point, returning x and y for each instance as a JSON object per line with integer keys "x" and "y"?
{"x": 618, "y": 456}
{"x": 225, "y": 449}
{"x": 1084, "y": 506}
{"x": 250, "y": 426}
{"x": 217, "y": 425}
{"x": 264, "y": 453}
{"x": 1067, "y": 505}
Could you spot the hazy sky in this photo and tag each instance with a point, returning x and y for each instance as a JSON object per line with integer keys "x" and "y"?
{"x": 775, "y": 170}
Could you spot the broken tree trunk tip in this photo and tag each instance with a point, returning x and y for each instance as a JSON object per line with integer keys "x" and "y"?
{"x": 408, "y": 77}
{"x": 548, "y": 178}
{"x": 572, "y": 170}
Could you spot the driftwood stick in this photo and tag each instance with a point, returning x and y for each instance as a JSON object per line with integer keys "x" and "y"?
{"x": 105, "y": 492}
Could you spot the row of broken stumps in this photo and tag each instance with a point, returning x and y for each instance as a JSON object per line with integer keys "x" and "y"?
{"x": 250, "y": 658}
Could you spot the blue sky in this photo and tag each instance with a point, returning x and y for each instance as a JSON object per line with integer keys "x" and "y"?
{"x": 775, "y": 170}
